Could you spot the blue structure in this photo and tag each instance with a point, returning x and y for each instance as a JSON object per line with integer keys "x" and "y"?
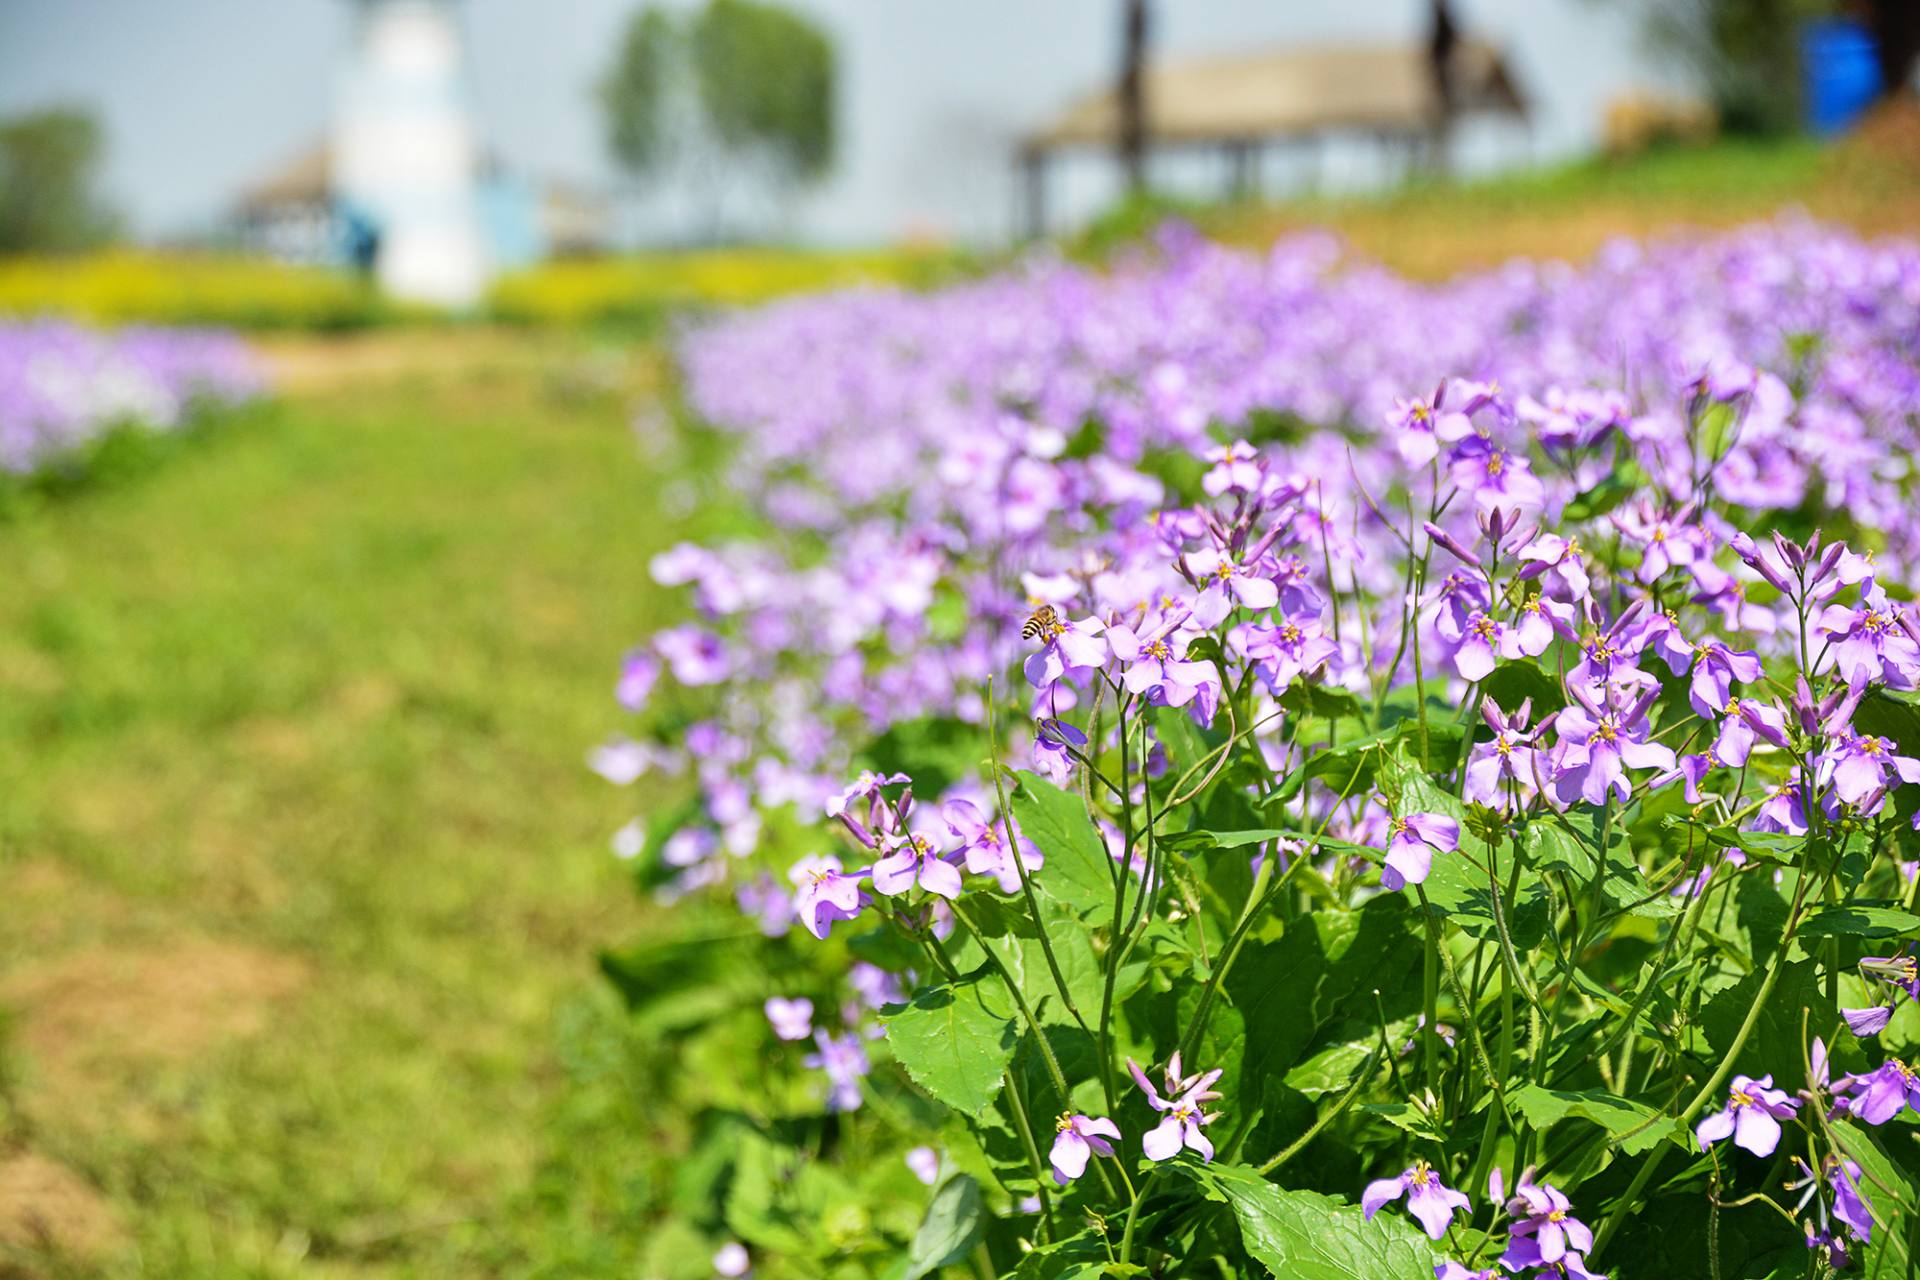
{"x": 1840, "y": 66}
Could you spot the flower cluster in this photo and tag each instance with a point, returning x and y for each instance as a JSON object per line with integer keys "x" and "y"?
{"x": 1353, "y": 664}
{"x": 63, "y": 387}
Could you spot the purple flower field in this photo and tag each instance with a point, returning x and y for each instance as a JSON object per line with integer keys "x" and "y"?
{"x": 63, "y": 388}
{"x": 1406, "y": 780}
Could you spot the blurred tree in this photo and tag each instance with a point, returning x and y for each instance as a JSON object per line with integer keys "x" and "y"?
{"x": 1746, "y": 53}
{"x": 49, "y": 161}
{"x": 766, "y": 82}
{"x": 738, "y": 89}
{"x": 635, "y": 93}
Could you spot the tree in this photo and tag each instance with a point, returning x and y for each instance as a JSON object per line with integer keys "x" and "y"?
{"x": 737, "y": 89}
{"x": 766, "y": 78}
{"x": 48, "y": 166}
{"x": 635, "y": 93}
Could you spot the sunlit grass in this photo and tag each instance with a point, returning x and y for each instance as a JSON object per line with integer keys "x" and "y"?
{"x": 304, "y": 874}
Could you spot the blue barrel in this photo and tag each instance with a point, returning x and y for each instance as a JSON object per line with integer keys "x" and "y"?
{"x": 1841, "y": 66}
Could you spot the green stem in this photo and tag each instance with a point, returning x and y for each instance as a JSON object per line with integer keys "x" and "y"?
{"x": 1133, "y": 1214}
{"x": 1360, "y": 1082}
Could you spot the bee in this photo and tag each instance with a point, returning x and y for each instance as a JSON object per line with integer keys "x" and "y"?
{"x": 1043, "y": 625}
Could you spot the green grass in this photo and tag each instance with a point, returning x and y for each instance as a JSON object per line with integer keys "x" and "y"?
{"x": 305, "y": 876}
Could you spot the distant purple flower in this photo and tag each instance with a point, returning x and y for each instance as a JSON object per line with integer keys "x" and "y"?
{"x": 1078, "y": 1138}
{"x": 824, "y": 894}
{"x": 695, "y": 656}
{"x": 1236, "y": 469}
{"x": 844, "y": 1060}
{"x": 1495, "y": 477}
{"x": 638, "y": 672}
{"x": 1428, "y": 1199}
{"x": 791, "y": 1019}
{"x": 1451, "y": 1270}
{"x": 925, "y": 1164}
{"x": 1411, "y": 843}
{"x": 1751, "y": 1117}
{"x": 732, "y": 1260}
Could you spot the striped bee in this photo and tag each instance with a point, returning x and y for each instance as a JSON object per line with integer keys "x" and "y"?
{"x": 1043, "y": 625}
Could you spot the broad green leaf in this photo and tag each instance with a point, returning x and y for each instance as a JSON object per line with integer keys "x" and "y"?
{"x": 1458, "y": 887}
{"x": 1554, "y": 847}
{"x": 1303, "y": 1235}
{"x": 1518, "y": 680}
{"x": 1635, "y": 1126}
{"x": 1776, "y": 1036}
{"x": 950, "y": 1229}
{"x": 1078, "y": 873}
{"x": 953, "y": 1044}
{"x": 1860, "y": 922}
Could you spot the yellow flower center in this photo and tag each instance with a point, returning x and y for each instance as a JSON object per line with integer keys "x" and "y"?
{"x": 1064, "y": 1123}
{"x": 1159, "y": 652}
{"x": 1496, "y": 463}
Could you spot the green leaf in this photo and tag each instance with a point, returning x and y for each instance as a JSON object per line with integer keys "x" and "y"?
{"x": 1860, "y": 922}
{"x": 1078, "y": 873}
{"x": 952, "y": 1044}
{"x": 1776, "y": 1036}
{"x": 1635, "y": 1126}
{"x": 950, "y": 1229}
{"x": 1457, "y": 885}
{"x": 1620, "y": 483}
{"x": 1519, "y": 679}
{"x": 1303, "y": 1235}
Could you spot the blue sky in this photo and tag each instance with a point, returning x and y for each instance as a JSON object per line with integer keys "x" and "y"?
{"x": 202, "y": 96}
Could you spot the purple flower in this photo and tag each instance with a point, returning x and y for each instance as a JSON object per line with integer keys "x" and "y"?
{"x": 1882, "y": 1093}
{"x": 1428, "y": 1199}
{"x": 1544, "y": 1231}
{"x": 1421, "y": 426}
{"x": 732, "y": 1260}
{"x": 1784, "y": 810}
{"x": 791, "y": 1019}
{"x": 925, "y": 1164}
{"x": 1561, "y": 557}
{"x": 1508, "y": 758}
{"x": 1751, "y": 1117}
{"x": 1236, "y": 469}
{"x": 1714, "y": 671}
{"x": 1746, "y": 722}
{"x": 1280, "y": 653}
{"x": 638, "y": 672}
{"x": 1839, "y": 1180}
{"x": 983, "y": 844}
{"x": 823, "y": 894}
{"x": 1053, "y": 746}
{"x": 916, "y": 861}
{"x": 1857, "y": 766}
{"x": 1871, "y": 642}
{"x": 1076, "y": 1139}
{"x": 1184, "y": 1117}
{"x": 1598, "y": 745}
{"x": 696, "y": 656}
{"x": 1495, "y": 477}
{"x": 844, "y": 1060}
{"x": 1411, "y": 843}
{"x": 1069, "y": 650}
{"x": 1224, "y": 582}
{"x": 1451, "y": 1270}
{"x": 1156, "y": 665}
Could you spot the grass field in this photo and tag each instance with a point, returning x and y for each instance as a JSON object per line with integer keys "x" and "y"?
{"x": 302, "y": 873}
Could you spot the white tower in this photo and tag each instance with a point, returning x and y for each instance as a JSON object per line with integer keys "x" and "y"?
{"x": 405, "y": 155}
